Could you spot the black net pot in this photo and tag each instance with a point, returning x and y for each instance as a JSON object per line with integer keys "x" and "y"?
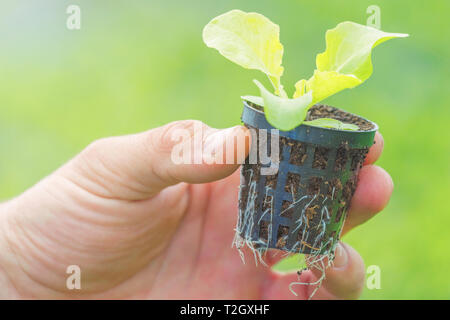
{"x": 302, "y": 206}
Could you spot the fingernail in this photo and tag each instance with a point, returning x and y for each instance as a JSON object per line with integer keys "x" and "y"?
{"x": 340, "y": 256}
{"x": 217, "y": 137}
{"x": 214, "y": 144}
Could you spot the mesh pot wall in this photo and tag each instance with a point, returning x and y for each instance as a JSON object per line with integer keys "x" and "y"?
{"x": 302, "y": 207}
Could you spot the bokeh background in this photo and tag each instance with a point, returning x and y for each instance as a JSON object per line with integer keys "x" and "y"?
{"x": 139, "y": 64}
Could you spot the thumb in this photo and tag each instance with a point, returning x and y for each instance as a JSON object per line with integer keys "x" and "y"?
{"x": 135, "y": 167}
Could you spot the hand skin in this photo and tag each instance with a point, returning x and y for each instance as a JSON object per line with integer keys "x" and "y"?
{"x": 141, "y": 227}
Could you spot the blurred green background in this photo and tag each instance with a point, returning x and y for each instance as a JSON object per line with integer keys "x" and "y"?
{"x": 139, "y": 64}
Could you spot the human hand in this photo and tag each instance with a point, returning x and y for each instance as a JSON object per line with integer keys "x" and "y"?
{"x": 140, "y": 226}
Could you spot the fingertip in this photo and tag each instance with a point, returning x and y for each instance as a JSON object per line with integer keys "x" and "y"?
{"x": 373, "y": 191}
{"x": 344, "y": 278}
{"x": 376, "y": 149}
{"x": 273, "y": 256}
{"x": 199, "y": 153}
{"x": 282, "y": 286}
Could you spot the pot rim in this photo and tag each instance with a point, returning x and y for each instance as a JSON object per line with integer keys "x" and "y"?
{"x": 327, "y": 137}
{"x": 375, "y": 126}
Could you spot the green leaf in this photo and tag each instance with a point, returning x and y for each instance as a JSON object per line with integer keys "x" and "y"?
{"x": 300, "y": 88}
{"x": 325, "y": 84}
{"x": 346, "y": 61}
{"x": 249, "y": 40}
{"x": 254, "y": 99}
{"x": 284, "y": 113}
{"x": 332, "y": 123}
{"x": 349, "y": 48}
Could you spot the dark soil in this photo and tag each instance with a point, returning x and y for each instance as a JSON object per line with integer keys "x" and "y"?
{"x": 285, "y": 212}
{"x": 334, "y": 188}
{"x": 271, "y": 184}
{"x": 264, "y": 230}
{"x": 314, "y": 185}
{"x": 292, "y": 183}
{"x": 341, "y": 157}
{"x": 271, "y": 181}
{"x": 267, "y": 204}
{"x": 298, "y": 153}
{"x": 320, "y": 158}
{"x": 323, "y": 111}
{"x": 282, "y": 236}
{"x": 358, "y": 157}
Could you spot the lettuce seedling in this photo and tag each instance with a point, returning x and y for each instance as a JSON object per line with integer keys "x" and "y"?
{"x": 253, "y": 41}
